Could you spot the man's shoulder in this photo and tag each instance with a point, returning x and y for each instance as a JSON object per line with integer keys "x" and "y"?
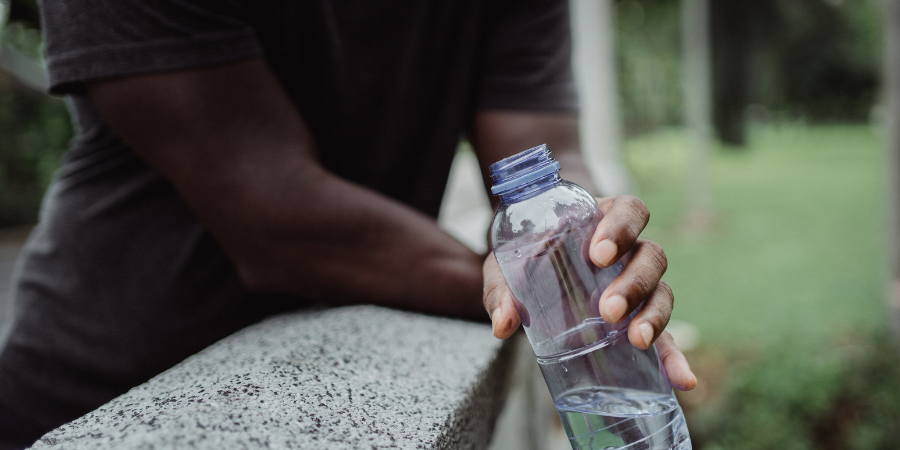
{"x": 89, "y": 40}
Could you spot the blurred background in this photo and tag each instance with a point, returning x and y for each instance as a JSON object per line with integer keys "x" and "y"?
{"x": 754, "y": 131}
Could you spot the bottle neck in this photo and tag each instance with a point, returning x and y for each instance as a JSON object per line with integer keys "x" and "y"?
{"x": 524, "y": 174}
{"x": 531, "y": 189}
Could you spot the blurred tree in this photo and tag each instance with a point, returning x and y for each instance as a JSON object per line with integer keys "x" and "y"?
{"x": 827, "y": 74}
{"x": 649, "y": 64}
{"x": 738, "y": 28}
{"x": 810, "y": 60}
{"x": 732, "y": 35}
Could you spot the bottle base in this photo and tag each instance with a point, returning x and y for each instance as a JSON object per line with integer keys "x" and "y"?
{"x": 612, "y": 418}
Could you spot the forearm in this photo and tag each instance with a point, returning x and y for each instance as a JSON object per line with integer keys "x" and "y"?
{"x": 299, "y": 229}
{"x": 574, "y": 169}
{"x": 243, "y": 159}
{"x": 329, "y": 239}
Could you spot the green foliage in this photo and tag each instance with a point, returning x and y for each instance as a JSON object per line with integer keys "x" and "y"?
{"x": 649, "y": 63}
{"x": 814, "y": 60}
{"x": 808, "y": 397}
{"x": 34, "y": 128}
{"x": 35, "y": 132}
{"x": 827, "y": 55}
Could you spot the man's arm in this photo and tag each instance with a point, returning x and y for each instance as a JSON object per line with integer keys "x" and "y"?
{"x": 498, "y": 134}
{"x": 240, "y": 154}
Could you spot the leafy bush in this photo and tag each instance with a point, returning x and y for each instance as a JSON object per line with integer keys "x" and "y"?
{"x": 34, "y": 128}
{"x": 34, "y": 132}
{"x": 808, "y": 397}
{"x": 648, "y": 42}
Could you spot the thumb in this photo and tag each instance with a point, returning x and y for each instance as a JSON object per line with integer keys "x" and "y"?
{"x": 498, "y": 300}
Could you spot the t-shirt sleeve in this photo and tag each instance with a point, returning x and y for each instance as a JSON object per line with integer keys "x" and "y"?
{"x": 95, "y": 39}
{"x": 528, "y": 61}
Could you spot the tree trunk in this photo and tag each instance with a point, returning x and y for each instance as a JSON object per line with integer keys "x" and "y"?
{"x": 732, "y": 31}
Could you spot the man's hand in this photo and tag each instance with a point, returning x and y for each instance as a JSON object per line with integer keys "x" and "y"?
{"x": 617, "y": 234}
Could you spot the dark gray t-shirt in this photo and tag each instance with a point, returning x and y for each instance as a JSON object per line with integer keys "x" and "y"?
{"x": 120, "y": 280}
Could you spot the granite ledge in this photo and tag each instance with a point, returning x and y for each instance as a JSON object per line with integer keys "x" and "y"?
{"x": 360, "y": 377}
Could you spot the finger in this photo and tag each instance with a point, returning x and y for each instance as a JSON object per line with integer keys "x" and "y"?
{"x": 498, "y": 300}
{"x": 636, "y": 282}
{"x": 653, "y": 317}
{"x": 677, "y": 367}
{"x": 624, "y": 217}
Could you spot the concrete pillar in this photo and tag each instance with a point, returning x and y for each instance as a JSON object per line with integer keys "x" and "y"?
{"x": 698, "y": 105}
{"x": 891, "y": 92}
{"x": 594, "y": 55}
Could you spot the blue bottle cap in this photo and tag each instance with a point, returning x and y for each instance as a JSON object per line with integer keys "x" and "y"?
{"x": 522, "y": 168}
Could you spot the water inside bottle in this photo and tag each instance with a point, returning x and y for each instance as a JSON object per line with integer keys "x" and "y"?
{"x": 611, "y": 395}
{"x": 612, "y": 418}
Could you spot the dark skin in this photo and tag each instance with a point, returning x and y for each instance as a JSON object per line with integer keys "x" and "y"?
{"x": 242, "y": 157}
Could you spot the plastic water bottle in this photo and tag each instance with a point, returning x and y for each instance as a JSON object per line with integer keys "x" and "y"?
{"x": 609, "y": 394}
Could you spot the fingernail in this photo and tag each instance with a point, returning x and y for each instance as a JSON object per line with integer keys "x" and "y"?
{"x": 604, "y": 252}
{"x": 646, "y": 333}
{"x": 615, "y": 307}
{"x": 495, "y": 313}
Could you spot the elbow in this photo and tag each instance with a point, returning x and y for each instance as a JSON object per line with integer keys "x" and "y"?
{"x": 271, "y": 273}
{"x": 272, "y": 280}
{"x": 266, "y": 243}
{"x": 257, "y": 265}
{"x": 256, "y": 278}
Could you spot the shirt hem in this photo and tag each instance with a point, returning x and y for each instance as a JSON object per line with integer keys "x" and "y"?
{"x": 69, "y": 71}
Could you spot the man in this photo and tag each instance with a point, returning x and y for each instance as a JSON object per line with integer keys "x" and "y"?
{"x": 237, "y": 159}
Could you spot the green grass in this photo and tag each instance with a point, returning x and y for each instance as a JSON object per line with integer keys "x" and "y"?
{"x": 798, "y": 249}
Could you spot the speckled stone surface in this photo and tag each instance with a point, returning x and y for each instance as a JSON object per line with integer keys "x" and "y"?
{"x": 358, "y": 377}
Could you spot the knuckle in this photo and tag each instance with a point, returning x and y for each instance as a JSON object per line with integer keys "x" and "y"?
{"x": 656, "y": 252}
{"x": 491, "y": 294}
{"x": 664, "y": 346}
{"x": 659, "y": 313}
{"x": 637, "y": 207}
{"x": 628, "y": 216}
{"x": 643, "y": 285}
{"x": 660, "y": 317}
{"x": 667, "y": 289}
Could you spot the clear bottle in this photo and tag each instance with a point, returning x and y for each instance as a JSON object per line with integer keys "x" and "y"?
{"x": 609, "y": 394}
